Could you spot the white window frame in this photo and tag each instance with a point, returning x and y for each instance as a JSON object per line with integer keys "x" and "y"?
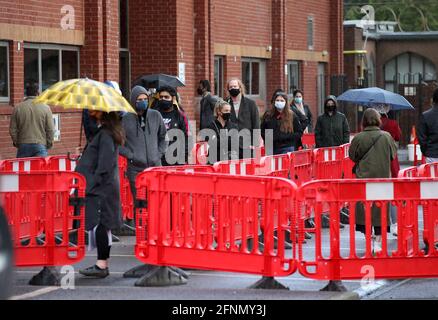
{"x": 60, "y": 48}
{"x": 8, "y": 98}
{"x": 262, "y": 77}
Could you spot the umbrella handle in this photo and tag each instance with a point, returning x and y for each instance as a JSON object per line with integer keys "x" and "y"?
{"x": 80, "y": 135}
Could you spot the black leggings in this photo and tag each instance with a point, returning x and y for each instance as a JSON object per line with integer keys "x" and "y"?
{"x": 103, "y": 247}
{"x": 377, "y": 230}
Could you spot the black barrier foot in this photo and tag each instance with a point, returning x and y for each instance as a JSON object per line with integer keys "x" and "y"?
{"x": 268, "y": 283}
{"x": 125, "y": 230}
{"x": 161, "y": 277}
{"x": 115, "y": 239}
{"x": 181, "y": 272}
{"x": 139, "y": 271}
{"x": 334, "y": 285}
{"x": 49, "y": 276}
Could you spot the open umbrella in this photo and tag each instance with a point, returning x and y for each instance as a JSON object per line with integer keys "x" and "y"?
{"x": 158, "y": 80}
{"x": 376, "y": 96}
{"x": 84, "y": 94}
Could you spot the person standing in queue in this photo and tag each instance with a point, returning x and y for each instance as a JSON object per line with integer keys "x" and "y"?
{"x": 284, "y": 124}
{"x": 99, "y": 165}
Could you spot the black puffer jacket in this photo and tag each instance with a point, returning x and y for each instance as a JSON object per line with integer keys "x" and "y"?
{"x": 428, "y": 132}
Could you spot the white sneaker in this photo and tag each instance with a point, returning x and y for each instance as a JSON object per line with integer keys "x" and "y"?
{"x": 393, "y": 229}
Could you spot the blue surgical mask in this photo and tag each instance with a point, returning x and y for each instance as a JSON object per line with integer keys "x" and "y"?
{"x": 141, "y": 105}
{"x": 299, "y": 100}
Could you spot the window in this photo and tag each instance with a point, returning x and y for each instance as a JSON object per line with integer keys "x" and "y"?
{"x": 310, "y": 28}
{"x": 124, "y": 23}
{"x": 293, "y": 74}
{"x": 254, "y": 77}
{"x": 4, "y": 72}
{"x": 218, "y": 76}
{"x": 48, "y": 64}
{"x": 408, "y": 68}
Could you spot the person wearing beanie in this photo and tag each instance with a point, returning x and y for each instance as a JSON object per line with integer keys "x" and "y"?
{"x": 145, "y": 136}
{"x": 331, "y": 127}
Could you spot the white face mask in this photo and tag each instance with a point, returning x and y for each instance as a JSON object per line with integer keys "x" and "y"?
{"x": 280, "y": 105}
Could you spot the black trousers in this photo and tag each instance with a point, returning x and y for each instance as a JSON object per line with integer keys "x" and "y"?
{"x": 377, "y": 230}
{"x": 103, "y": 247}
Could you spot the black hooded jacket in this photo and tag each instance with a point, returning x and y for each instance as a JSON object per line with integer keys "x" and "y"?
{"x": 331, "y": 130}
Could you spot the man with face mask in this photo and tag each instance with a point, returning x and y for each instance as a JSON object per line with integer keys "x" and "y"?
{"x": 145, "y": 136}
{"x": 331, "y": 127}
{"x": 173, "y": 119}
{"x": 207, "y": 104}
{"x": 245, "y": 113}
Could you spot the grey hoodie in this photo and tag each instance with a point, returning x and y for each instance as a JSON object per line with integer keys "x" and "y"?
{"x": 143, "y": 149}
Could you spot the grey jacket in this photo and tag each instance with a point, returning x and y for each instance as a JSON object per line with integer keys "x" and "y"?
{"x": 143, "y": 149}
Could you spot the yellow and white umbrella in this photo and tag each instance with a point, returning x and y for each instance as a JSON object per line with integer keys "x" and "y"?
{"x": 84, "y": 94}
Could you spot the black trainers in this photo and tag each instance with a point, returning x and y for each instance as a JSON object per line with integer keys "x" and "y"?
{"x": 95, "y": 271}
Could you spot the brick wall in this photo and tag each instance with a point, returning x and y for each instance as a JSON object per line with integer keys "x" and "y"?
{"x": 45, "y": 13}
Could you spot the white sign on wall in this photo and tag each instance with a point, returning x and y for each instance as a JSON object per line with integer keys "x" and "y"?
{"x": 68, "y": 18}
{"x": 57, "y": 127}
{"x": 182, "y": 72}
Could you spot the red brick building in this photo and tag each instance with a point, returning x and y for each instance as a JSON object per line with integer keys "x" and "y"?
{"x": 269, "y": 44}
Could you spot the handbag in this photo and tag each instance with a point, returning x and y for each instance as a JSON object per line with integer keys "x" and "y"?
{"x": 372, "y": 145}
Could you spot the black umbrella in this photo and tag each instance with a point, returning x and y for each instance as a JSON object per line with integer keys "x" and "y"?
{"x": 158, "y": 80}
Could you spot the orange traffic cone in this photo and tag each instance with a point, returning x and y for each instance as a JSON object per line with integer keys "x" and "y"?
{"x": 413, "y": 139}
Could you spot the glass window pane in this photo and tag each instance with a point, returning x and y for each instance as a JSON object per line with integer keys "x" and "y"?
{"x": 50, "y": 67}
{"x": 255, "y": 78}
{"x": 430, "y": 71}
{"x": 246, "y": 76}
{"x": 389, "y": 87}
{"x": 31, "y": 75}
{"x": 69, "y": 65}
{"x": 390, "y": 70}
{"x": 218, "y": 76}
{"x": 124, "y": 24}
{"x": 294, "y": 75}
{"x": 403, "y": 67}
{"x": 416, "y": 64}
{"x": 3, "y": 72}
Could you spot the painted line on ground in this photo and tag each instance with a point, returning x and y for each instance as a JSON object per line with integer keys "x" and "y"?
{"x": 35, "y": 293}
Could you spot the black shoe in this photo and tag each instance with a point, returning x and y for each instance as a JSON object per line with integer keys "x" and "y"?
{"x": 309, "y": 223}
{"x": 95, "y": 271}
{"x": 307, "y": 235}
{"x": 325, "y": 221}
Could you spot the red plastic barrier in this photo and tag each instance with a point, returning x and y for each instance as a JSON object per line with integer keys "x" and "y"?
{"x": 203, "y": 221}
{"x": 62, "y": 162}
{"x": 275, "y": 166}
{"x": 308, "y": 140}
{"x": 301, "y": 169}
{"x": 23, "y": 164}
{"x": 411, "y": 172}
{"x": 200, "y": 153}
{"x": 185, "y": 168}
{"x": 399, "y": 258}
{"x": 34, "y": 202}
{"x": 126, "y": 199}
{"x": 328, "y": 163}
{"x": 429, "y": 170}
{"x": 347, "y": 163}
{"x": 241, "y": 167}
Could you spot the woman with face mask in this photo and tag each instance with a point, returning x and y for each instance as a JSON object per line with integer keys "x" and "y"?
{"x": 286, "y": 129}
{"x": 302, "y": 111}
{"x": 221, "y": 129}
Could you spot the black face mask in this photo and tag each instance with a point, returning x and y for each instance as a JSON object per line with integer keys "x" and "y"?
{"x": 226, "y": 116}
{"x": 234, "y": 92}
{"x": 165, "y": 105}
{"x": 330, "y": 108}
{"x": 200, "y": 91}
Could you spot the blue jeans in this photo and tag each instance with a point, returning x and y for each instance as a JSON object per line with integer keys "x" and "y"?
{"x": 26, "y": 150}
{"x": 284, "y": 150}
